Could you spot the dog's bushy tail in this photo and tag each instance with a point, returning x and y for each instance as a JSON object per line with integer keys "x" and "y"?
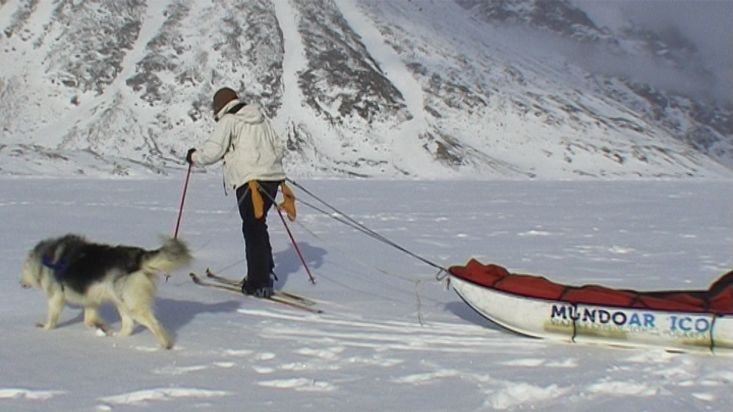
{"x": 174, "y": 254}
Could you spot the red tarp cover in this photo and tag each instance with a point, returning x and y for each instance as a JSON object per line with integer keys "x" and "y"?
{"x": 717, "y": 299}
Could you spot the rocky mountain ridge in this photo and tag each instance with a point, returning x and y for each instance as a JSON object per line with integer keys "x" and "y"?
{"x": 415, "y": 89}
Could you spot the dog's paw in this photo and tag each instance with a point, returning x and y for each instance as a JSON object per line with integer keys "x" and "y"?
{"x": 101, "y": 328}
{"x": 124, "y": 332}
{"x": 45, "y": 326}
{"x": 165, "y": 342}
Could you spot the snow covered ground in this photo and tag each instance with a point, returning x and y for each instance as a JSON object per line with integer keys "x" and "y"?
{"x": 391, "y": 338}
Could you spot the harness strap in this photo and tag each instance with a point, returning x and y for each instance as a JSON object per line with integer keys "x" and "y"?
{"x": 233, "y": 110}
{"x": 59, "y": 268}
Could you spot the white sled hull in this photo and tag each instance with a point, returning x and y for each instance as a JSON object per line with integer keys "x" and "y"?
{"x": 608, "y": 325}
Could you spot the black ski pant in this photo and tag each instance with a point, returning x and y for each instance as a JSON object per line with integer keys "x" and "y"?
{"x": 257, "y": 248}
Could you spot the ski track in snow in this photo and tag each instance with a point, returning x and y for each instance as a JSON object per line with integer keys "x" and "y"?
{"x": 375, "y": 337}
{"x": 144, "y": 397}
{"x": 38, "y": 395}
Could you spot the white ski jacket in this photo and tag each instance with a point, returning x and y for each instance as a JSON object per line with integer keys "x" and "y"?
{"x": 247, "y": 142}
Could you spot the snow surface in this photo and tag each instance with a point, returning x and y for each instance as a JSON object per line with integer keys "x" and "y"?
{"x": 392, "y": 338}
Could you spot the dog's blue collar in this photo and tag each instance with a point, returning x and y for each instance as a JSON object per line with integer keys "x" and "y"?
{"x": 59, "y": 267}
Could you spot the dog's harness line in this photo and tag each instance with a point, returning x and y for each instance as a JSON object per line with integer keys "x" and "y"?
{"x": 59, "y": 268}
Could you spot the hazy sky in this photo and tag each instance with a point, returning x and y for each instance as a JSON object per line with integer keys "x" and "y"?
{"x": 707, "y": 23}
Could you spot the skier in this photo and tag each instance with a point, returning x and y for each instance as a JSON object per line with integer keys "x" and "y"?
{"x": 252, "y": 152}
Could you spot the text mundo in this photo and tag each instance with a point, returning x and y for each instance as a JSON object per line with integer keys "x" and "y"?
{"x": 630, "y": 319}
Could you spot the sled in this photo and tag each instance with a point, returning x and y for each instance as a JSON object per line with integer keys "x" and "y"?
{"x": 681, "y": 320}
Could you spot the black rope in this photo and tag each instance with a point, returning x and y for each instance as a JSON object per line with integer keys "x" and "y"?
{"x": 351, "y": 222}
{"x": 712, "y": 335}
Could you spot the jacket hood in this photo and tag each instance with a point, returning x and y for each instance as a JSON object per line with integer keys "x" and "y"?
{"x": 250, "y": 113}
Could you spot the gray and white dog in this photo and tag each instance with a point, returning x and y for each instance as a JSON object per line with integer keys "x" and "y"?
{"x": 72, "y": 269}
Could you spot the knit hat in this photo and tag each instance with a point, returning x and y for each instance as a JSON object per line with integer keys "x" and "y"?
{"x": 221, "y": 98}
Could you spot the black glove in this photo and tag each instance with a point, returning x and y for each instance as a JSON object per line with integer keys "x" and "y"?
{"x": 189, "y": 156}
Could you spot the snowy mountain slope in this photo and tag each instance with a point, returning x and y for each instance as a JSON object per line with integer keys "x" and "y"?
{"x": 643, "y": 60}
{"x": 562, "y": 124}
{"x": 368, "y": 88}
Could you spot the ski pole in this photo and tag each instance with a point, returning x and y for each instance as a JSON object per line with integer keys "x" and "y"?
{"x": 183, "y": 199}
{"x": 295, "y": 246}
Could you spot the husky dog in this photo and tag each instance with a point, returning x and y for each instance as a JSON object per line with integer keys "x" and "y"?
{"x": 70, "y": 268}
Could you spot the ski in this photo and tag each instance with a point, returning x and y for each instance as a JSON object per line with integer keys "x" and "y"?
{"x": 276, "y": 298}
{"x": 237, "y": 283}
